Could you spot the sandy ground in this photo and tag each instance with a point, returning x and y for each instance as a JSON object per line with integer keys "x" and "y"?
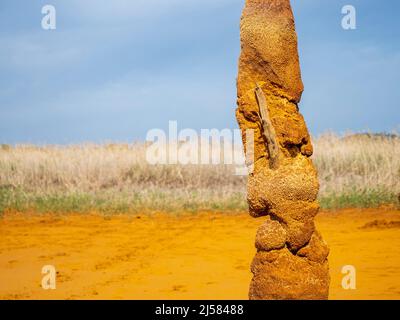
{"x": 203, "y": 256}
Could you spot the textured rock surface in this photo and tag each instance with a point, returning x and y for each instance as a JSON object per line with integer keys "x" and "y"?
{"x": 291, "y": 262}
{"x": 286, "y": 276}
{"x": 271, "y": 236}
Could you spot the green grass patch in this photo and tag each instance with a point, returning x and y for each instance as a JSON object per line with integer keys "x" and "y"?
{"x": 119, "y": 202}
{"x": 173, "y": 201}
{"x": 358, "y": 199}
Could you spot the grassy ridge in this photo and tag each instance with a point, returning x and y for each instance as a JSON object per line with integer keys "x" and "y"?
{"x": 354, "y": 171}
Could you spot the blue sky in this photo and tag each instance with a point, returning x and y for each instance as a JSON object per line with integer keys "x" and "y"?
{"x": 112, "y": 70}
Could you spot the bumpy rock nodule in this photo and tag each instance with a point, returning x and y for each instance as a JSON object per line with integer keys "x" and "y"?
{"x": 291, "y": 260}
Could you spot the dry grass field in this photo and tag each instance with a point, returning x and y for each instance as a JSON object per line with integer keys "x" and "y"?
{"x": 354, "y": 170}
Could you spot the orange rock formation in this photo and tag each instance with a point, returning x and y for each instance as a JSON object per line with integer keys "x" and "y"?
{"x": 291, "y": 260}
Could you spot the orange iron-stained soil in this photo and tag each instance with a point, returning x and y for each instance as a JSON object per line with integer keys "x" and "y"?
{"x": 204, "y": 256}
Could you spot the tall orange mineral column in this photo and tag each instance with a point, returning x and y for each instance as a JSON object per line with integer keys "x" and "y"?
{"x": 291, "y": 260}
